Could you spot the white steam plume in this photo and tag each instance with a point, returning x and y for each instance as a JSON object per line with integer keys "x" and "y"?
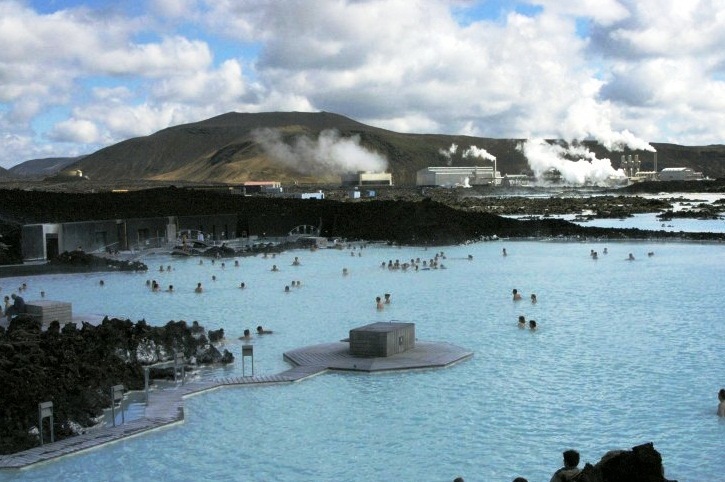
{"x": 328, "y": 154}
{"x": 586, "y": 169}
{"x": 585, "y": 119}
{"x": 588, "y": 118}
{"x": 448, "y": 153}
{"x": 474, "y": 151}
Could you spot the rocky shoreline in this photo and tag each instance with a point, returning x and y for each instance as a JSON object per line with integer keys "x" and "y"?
{"x": 75, "y": 367}
{"x": 72, "y": 262}
{"x": 396, "y": 215}
{"x": 640, "y": 464}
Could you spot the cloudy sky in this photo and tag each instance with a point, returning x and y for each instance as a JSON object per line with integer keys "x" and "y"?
{"x": 77, "y": 75}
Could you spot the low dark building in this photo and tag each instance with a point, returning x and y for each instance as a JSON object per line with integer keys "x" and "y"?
{"x": 382, "y": 339}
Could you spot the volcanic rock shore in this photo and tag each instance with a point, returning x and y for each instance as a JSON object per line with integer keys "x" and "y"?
{"x": 396, "y": 215}
{"x": 75, "y": 367}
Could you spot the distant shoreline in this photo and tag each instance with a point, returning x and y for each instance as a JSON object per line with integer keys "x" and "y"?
{"x": 405, "y": 216}
{"x": 16, "y": 270}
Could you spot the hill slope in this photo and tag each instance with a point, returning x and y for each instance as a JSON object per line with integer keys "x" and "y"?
{"x": 5, "y": 174}
{"x": 42, "y": 167}
{"x": 229, "y": 149}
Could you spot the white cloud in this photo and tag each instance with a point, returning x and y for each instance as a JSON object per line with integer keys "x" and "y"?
{"x": 651, "y": 69}
{"x": 223, "y": 85}
{"x": 175, "y": 8}
{"x": 604, "y": 12}
{"x": 123, "y": 121}
{"x": 20, "y": 147}
{"x": 75, "y": 130}
{"x": 673, "y": 28}
{"x": 171, "y": 56}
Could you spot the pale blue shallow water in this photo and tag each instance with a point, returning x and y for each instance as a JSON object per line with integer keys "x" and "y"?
{"x": 650, "y": 222}
{"x": 627, "y": 353}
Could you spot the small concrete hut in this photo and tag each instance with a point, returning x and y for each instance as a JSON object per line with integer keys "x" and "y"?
{"x": 382, "y": 339}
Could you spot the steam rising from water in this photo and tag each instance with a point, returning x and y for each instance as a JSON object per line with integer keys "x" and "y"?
{"x": 328, "y": 154}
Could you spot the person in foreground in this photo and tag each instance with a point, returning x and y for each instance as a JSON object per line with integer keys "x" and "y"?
{"x": 721, "y": 405}
{"x": 570, "y": 468}
{"x": 17, "y": 308}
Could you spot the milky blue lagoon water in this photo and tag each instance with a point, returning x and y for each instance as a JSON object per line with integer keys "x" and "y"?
{"x": 626, "y": 353}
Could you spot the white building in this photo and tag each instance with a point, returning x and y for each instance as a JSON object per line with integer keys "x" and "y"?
{"x": 458, "y": 176}
{"x": 309, "y": 195}
{"x": 517, "y": 180}
{"x": 367, "y": 178}
{"x": 679, "y": 174}
{"x": 641, "y": 176}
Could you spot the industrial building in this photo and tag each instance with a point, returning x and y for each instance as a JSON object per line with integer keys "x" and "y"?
{"x": 458, "y": 176}
{"x": 679, "y": 174}
{"x": 641, "y": 176}
{"x": 367, "y": 178}
{"x": 45, "y": 241}
{"x": 511, "y": 180}
{"x": 308, "y": 195}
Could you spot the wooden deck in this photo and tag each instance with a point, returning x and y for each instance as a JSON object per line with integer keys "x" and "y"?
{"x": 166, "y": 407}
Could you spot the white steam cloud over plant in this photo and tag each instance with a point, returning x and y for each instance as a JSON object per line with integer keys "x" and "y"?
{"x": 448, "y": 153}
{"x": 586, "y": 168}
{"x": 330, "y": 153}
{"x": 474, "y": 151}
{"x": 586, "y": 119}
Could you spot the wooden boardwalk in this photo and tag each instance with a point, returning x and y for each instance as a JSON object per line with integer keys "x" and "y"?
{"x": 166, "y": 407}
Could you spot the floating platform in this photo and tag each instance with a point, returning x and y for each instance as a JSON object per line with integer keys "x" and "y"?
{"x": 166, "y": 407}
{"x": 336, "y": 356}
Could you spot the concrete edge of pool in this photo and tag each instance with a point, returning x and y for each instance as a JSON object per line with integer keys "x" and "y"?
{"x": 166, "y": 407}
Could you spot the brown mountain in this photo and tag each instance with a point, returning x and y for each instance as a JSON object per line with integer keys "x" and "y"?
{"x": 227, "y": 149}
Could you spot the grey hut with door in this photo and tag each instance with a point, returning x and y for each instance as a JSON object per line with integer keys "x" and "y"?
{"x": 382, "y": 339}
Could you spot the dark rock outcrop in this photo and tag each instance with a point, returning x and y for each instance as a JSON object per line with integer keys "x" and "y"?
{"x": 641, "y": 464}
{"x": 401, "y": 216}
{"x": 74, "y": 367}
{"x": 83, "y": 260}
{"x": 216, "y": 336}
{"x": 211, "y": 354}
